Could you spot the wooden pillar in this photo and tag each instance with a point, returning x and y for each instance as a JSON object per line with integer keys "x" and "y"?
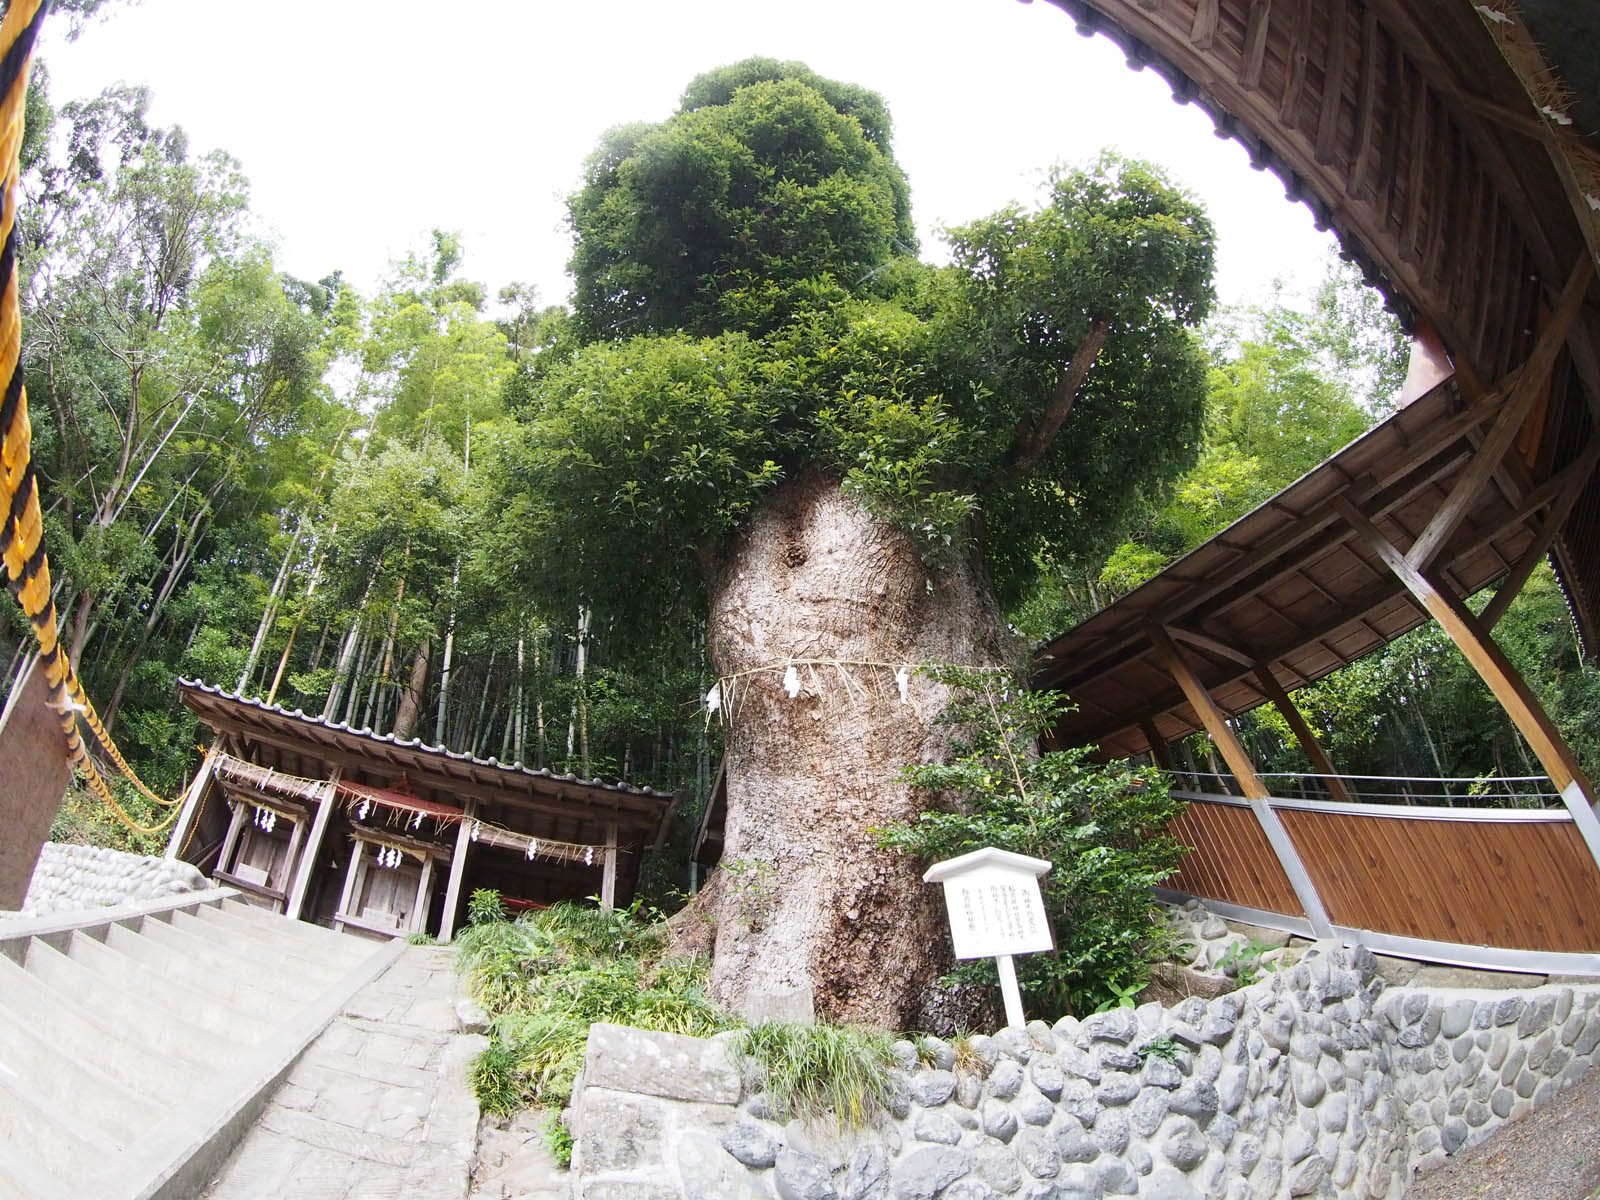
{"x": 313, "y": 849}
{"x": 1268, "y": 682}
{"x": 231, "y": 842}
{"x": 192, "y": 800}
{"x": 1159, "y": 753}
{"x": 608, "y": 876}
{"x": 296, "y": 839}
{"x": 458, "y": 867}
{"x": 1495, "y": 669}
{"x": 351, "y": 878}
{"x": 1244, "y": 771}
{"x": 35, "y": 770}
{"x": 419, "y": 910}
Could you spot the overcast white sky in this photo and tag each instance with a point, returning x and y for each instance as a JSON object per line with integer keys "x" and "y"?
{"x": 363, "y": 123}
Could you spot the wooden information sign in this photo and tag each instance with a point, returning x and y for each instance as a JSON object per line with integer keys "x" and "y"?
{"x": 995, "y": 911}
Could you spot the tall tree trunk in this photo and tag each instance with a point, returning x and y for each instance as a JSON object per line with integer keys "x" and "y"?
{"x": 405, "y": 717}
{"x": 807, "y": 901}
{"x": 516, "y": 709}
{"x": 270, "y": 612}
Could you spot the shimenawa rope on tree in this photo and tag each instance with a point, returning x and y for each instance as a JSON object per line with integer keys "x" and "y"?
{"x": 22, "y": 535}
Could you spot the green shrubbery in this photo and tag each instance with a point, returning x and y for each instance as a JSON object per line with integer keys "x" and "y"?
{"x": 546, "y": 977}
{"x": 1103, "y": 826}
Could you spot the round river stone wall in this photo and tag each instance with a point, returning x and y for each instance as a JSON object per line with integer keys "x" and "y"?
{"x": 1315, "y": 1081}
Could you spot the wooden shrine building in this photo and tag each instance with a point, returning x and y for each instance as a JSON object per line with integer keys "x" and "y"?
{"x": 361, "y": 831}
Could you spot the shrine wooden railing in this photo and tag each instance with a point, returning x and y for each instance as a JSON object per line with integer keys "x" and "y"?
{"x": 1513, "y": 888}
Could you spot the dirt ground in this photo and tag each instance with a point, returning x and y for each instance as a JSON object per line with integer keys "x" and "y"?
{"x": 1550, "y": 1154}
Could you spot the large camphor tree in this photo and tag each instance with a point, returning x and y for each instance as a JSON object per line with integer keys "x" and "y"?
{"x": 847, "y": 461}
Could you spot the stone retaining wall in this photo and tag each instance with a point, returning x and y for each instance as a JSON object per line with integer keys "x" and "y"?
{"x": 73, "y": 878}
{"x": 1316, "y": 1081}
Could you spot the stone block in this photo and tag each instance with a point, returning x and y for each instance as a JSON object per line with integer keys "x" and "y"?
{"x": 1033, "y": 1108}
{"x": 997, "y": 1120}
{"x": 932, "y": 1088}
{"x": 1004, "y": 1080}
{"x": 1047, "y": 1076}
{"x": 618, "y": 1133}
{"x": 927, "y": 1171}
{"x": 752, "y": 1144}
{"x": 867, "y": 1175}
{"x": 799, "y": 1176}
{"x": 668, "y": 1065}
{"x": 997, "y": 1167}
{"x": 708, "y": 1171}
{"x": 935, "y": 1126}
{"x": 1117, "y": 1088}
{"x": 1037, "y": 1153}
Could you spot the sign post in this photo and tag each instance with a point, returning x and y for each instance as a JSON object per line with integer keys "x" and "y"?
{"x": 995, "y": 911}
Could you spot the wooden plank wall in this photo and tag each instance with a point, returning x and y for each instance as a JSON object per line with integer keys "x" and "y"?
{"x": 1524, "y": 885}
{"x": 1230, "y": 859}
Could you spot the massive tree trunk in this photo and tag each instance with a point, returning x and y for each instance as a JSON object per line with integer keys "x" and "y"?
{"x": 808, "y": 906}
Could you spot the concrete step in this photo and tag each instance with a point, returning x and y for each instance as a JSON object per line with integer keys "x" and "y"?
{"x": 109, "y": 982}
{"x": 245, "y": 997}
{"x": 137, "y": 1044}
{"x": 39, "y": 1137}
{"x": 67, "y": 1079}
{"x": 20, "y": 1176}
{"x": 196, "y": 942}
{"x": 312, "y": 940}
{"x": 166, "y": 1060}
{"x": 277, "y": 933}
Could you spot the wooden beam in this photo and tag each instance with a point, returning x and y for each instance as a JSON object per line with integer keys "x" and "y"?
{"x": 352, "y": 875}
{"x": 231, "y": 842}
{"x": 1255, "y": 43}
{"x": 1486, "y": 657}
{"x": 191, "y": 801}
{"x": 1270, "y": 688}
{"x": 1531, "y": 381}
{"x": 1210, "y": 645}
{"x": 1160, "y": 754}
{"x": 458, "y": 868}
{"x": 1211, "y": 717}
{"x": 1582, "y": 473}
{"x": 1366, "y": 100}
{"x": 1249, "y": 782}
{"x": 1416, "y": 162}
{"x": 1332, "y": 83}
{"x": 1295, "y": 63}
{"x": 608, "y": 875}
{"x": 313, "y": 848}
{"x": 419, "y": 909}
{"x": 1204, "y": 28}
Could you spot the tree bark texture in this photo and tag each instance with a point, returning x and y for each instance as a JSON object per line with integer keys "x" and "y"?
{"x": 807, "y": 902}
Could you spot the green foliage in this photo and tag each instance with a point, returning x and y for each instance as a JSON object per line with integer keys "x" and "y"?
{"x": 545, "y": 977}
{"x": 764, "y": 188}
{"x": 557, "y": 1139}
{"x": 1161, "y": 1046}
{"x": 816, "y": 1071}
{"x": 1243, "y": 964}
{"x": 484, "y": 906}
{"x": 1102, "y": 828}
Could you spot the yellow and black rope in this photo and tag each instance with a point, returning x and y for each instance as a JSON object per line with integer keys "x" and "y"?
{"x": 27, "y": 568}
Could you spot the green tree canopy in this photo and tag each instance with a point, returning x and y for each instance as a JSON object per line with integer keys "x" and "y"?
{"x": 750, "y": 317}
{"x": 768, "y": 187}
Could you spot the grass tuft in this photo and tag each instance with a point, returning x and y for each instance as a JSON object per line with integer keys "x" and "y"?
{"x": 816, "y": 1071}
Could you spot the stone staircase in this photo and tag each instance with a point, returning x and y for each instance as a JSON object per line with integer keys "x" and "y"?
{"x": 138, "y": 1043}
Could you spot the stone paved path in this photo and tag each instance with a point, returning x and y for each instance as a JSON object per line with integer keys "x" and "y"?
{"x": 378, "y": 1106}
